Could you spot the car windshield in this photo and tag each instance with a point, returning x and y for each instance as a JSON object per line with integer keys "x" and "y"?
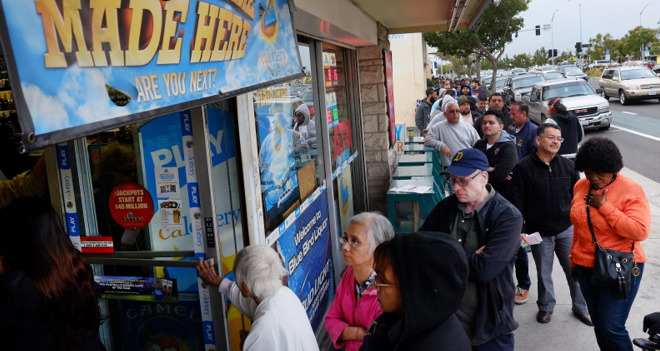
{"x": 500, "y": 82}
{"x": 552, "y": 76}
{"x": 526, "y": 82}
{"x": 637, "y": 74}
{"x": 577, "y": 88}
{"x": 572, "y": 69}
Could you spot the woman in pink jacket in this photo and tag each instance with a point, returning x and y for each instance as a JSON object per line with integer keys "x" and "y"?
{"x": 356, "y": 305}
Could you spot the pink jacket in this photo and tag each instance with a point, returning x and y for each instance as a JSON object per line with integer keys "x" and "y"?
{"x": 346, "y": 312}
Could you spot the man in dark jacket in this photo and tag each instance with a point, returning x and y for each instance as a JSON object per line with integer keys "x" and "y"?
{"x": 570, "y": 126}
{"x": 500, "y": 149}
{"x": 543, "y": 190}
{"x": 488, "y": 228}
{"x": 423, "y": 110}
{"x": 523, "y": 129}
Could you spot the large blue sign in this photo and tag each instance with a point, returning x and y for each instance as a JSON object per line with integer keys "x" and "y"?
{"x": 306, "y": 251}
{"x": 84, "y": 66}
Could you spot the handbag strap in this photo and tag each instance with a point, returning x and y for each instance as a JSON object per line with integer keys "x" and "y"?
{"x": 593, "y": 234}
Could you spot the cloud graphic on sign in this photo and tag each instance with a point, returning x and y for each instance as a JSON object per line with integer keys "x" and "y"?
{"x": 44, "y": 105}
{"x": 25, "y": 21}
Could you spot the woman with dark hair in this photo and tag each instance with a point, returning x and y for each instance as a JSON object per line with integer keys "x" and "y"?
{"x": 569, "y": 124}
{"x": 47, "y": 292}
{"x": 420, "y": 279}
{"x": 617, "y": 210}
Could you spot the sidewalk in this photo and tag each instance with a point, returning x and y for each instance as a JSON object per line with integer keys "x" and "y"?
{"x": 565, "y": 332}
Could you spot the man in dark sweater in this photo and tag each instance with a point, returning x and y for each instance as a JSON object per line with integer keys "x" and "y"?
{"x": 542, "y": 185}
{"x": 423, "y": 110}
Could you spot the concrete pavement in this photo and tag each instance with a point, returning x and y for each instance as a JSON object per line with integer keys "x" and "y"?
{"x": 565, "y": 332}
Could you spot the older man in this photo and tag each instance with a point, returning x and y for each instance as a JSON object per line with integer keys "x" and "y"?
{"x": 543, "y": 190}
{"x": 523, "y": 129}
{"x": 451, "y": 135}
{"x": 279, "y": 321}
{"x": 487, "y": 227}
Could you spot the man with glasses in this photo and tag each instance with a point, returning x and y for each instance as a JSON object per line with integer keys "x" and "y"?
{"x": 542, "y": 185}
{"x": 487, "y": 226}
{"x": 451, "y": 135}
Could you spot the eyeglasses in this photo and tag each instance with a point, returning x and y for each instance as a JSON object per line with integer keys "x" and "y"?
{"x": 462, "y": 182}
{"x": 553, "y": 138}
{"x": 352, "y": 243}
{"x": 381, "y": 285}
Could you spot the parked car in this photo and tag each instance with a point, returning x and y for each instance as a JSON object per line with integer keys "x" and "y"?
{"x": 518, "y": 71}
{"x": 571, "y": 71}
{"x": 548, "y": 68}
{"x": 656, "y": 69}
{"x": 600, "y": 63}
{"x": 630, "y": 83}
{"x": 514, "y": 87}
{"x": 499, "y": 84}
{"x": 578, "y": 96}
{"x": 551, "y": 75}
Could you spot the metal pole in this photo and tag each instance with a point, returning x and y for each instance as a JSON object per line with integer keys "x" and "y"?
{"x": 641, "y": 49}
{"x": 552, "y": 35}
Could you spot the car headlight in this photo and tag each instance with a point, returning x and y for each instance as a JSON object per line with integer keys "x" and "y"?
{"x": 633, "y": 87}
{"x": 604, "y": 107}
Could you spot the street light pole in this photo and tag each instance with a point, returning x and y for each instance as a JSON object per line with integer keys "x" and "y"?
{"x": 641, "y": 49}
{"x": 552, "y": 35}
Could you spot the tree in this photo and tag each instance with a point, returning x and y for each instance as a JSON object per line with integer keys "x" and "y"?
{"x": 522, "y": 60}
{"x": 540, "y": 57}
{"x": 635, "y": 38}
{"x": 488, "y": 38}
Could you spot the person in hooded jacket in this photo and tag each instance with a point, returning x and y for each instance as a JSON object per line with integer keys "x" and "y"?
{"x": 500, "y": 149}
{"x": 571, "y": 128}
{"x": 305, "y": 129}
{"x": 420, "y": 279}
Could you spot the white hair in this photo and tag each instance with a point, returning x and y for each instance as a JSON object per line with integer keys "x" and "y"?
{"x": 379, "y": 227}
{"x": 261, "y": 269}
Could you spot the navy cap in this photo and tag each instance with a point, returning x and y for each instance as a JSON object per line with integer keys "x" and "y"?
{"x": 466, "y": 162}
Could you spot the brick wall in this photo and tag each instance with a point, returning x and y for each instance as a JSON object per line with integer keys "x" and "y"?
{"x": 378, "y": 156}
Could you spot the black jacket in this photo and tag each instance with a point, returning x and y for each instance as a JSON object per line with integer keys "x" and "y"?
{"x": 433, "y": 275}
{"x": 422, "y": 114}
{"x": 543, "y": 193}
{"x": 492, "y": 270}
{"x": 571, "y": 131}
{"x": 503, "y": 155}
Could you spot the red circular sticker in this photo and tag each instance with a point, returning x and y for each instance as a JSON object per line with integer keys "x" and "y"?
{"x": 131, "y": 205}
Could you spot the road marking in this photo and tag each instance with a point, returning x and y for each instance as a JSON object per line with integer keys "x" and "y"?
{"x": 637, "y": 133}
{"x": 629, "y": 113}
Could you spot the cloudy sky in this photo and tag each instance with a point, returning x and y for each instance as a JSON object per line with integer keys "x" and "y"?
{"x": 616, "y": 17}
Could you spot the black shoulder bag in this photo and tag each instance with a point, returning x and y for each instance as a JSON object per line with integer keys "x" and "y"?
{"x": 612, "y": 269}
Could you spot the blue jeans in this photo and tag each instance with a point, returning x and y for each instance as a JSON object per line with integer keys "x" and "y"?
{"x": 608, "y": 313}
{"x": 504, "y": 342}
{"x": 522, "y": 269}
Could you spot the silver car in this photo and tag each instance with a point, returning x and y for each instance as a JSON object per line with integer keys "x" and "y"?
{"x": 630, "y": 83}
{"x": 578, "y": 96}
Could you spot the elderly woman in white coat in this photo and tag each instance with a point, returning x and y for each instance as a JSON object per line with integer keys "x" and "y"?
{"x": 279, "y": 321}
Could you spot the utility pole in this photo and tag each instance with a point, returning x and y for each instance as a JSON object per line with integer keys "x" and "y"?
{"x": 552, "y": 33}
{"x": 641, "y": 49}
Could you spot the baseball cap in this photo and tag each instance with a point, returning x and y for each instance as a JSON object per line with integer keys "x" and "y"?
{"x": 430, "y": 91}
{"x": 466, "y": 162}
{"x": 463, "y": 99}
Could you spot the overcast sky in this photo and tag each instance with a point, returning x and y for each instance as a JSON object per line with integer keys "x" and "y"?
{"x": 616, "y": 17}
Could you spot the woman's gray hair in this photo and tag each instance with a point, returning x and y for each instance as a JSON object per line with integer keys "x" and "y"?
{"x": 379, "y": 227}
{"x": 261, "y": 269}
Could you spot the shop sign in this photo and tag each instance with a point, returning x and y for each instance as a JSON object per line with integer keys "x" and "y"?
{"x": 303, "y": 242}
{"x": 131, "y": 205}
{"x": 86, "y": 66}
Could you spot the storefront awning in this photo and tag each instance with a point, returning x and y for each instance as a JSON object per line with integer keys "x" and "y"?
{"x": 78, "y": 67}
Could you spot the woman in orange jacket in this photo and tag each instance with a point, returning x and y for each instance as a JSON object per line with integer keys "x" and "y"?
{"x": 621, "y": 217}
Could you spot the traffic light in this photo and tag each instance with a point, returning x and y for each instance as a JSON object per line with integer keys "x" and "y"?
{"x": 538, "y": 30}
{"x": 578, "y": 47}
{"x": 554, "y": 53}
{"x": 549, "y": 53}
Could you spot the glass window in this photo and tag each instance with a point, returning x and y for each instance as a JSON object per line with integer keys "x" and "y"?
{"x": 288, "y": 147}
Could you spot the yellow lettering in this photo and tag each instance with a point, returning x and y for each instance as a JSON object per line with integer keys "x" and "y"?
{"x": 64, "y": 26}
{"x": 207, "y": 16}
{"x": 105, "y": 11}
{"x": 144, "y": 36}
{"x": 220, "y": 52}
{"x": 170, "y": 49}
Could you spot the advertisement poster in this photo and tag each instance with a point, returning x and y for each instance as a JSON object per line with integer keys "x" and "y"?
{"x": 167, "y": 182}
{"x": 160, "y": 326}
{"x": 306, "y": 251}
{"x": 389, "y": 86}
{"x": 131, "y": 205}
{"x": 279, "y": 180}
{"x": 87, "y": 66}
{"x": 136, "y": 288}
{"x": 345, "y": 197}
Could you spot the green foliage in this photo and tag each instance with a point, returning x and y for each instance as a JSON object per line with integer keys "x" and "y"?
{"x": 487, "y": 40}
{"x": 429, "y": 83}
{"x": 629, "y": 44}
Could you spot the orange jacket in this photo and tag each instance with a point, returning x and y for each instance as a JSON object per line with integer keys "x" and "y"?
{"x": 624, "y": 218}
